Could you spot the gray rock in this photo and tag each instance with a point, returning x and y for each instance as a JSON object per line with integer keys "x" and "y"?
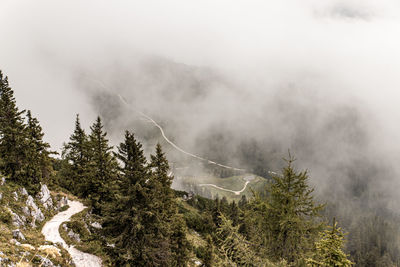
{"x": 45, "y": 262}
{"x": 74, "y": 236}
{"x": 64, "y": 226}
{"x": 26, "y": 211}
{"x": 45, "y": 197}
{"x": 111, "y": 245}
{"x": 36, "y": 213}
{"x": 15, "y": 195}
{"x": 96, "y": 225}
{"x": 1, "y": 196}
{"x": 16, "y": 220}
{"x": 17, "y": 234}
{"x": 3, "y": 181}
{"x": 23, "y": 191}
{"x": 15, "y": 242}
{"x": 62, "y": 202}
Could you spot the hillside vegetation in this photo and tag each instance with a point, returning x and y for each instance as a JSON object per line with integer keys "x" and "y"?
{"x": 135, "y": 218}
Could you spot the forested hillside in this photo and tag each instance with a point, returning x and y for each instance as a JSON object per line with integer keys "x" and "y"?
{"x": 142, "y": 221}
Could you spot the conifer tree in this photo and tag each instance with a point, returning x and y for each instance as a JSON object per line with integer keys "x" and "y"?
{"x": 170, "y": 225}
{"x": 77, "y": 155}
{"x": 290, "y": 219}
{"x": 37, "y": 164}
{"x": 329, "y": 249}
{"x": 103, "y": 167}
{"x": 208, "y": 260}
{"x": 124, "y": 217}
{"x": 12, "y": 134}
{"x": 234, "y": 247}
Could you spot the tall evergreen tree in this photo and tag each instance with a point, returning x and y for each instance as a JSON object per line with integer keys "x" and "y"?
{"x": 12, "y": 134}
{"x": 291, "y": 214}
{"x": 234, "y": 247}
{"x": 283, "y": 225}
{"x": 75, "y": 168}
{"x": 171, "y": 224}
{"x": 37, "y": 164}
{"x": 103, "y": 167}
{"x": 123, "y": 211}
{"x": 329, "y": 249}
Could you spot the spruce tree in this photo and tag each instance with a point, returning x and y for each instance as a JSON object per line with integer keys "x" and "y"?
{"x": 329, "y": 249}
{"x": 12, "y": 134}
{"x": 291, "y": 215}
{"x": 233, "y": 247}
{"x": 37, "y": 164}
{"x": 102, "y": 167}
{"x": 76, "y": 156}
{"x": 125, "y": 214}
{"x": 171, "y": 225}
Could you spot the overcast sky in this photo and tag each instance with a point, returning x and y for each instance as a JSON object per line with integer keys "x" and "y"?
{"x": 349, "y": 48}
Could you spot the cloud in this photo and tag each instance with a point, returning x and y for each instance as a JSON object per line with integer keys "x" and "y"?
{"x": 230, "y": 80}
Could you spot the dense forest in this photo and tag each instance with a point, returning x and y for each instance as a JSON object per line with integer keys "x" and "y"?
{"x": 147, "y": 223}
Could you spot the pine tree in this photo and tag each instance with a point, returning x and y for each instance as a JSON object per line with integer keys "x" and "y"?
{"x": 291, "y": 213}
{"x": 234, "y": 247}
{"x": 124, "y": 214}
{"x": 12, "y": 133}
{"x": 329, "y": 249}
{"x": 170, "y": 225}
{"x": 75, "y": 168}
{"x": 103, "y": 167}
{"x": 37, "y": 164}
{"x": 208, "y": 260}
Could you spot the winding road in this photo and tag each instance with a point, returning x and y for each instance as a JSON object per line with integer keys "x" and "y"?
{"x": 149, "y": 119}
{"x": 248, "y": 180}
{"x": 51, "y": 233}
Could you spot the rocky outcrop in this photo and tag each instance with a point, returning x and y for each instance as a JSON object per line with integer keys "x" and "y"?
{"x": 15, "y": 196}
{"x": 23, "y": 191}
{"x": 36, "y": 213}
{"x": 96, "y": 225}
{"x": 1, "y": 196}
{"x": 62, "y": 202}
{"x": 15, "y": 242}
{"x": 17, "y": 221}
{"x": 3, "y": 181}
{"x": 17, "y": 234}
{"x": 74, "y": 236}
{"x": 45, "y": 197}
{"x": 45, "y": 262}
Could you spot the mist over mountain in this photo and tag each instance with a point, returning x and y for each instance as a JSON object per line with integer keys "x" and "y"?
{"x": 236, "y": 83}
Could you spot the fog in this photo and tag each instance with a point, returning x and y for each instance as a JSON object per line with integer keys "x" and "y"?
{"x": 239, "y": 82}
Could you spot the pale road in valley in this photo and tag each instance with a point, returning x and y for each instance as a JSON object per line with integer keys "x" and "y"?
{"x": 248, "y": 180}
{"x": 51, "y": 233}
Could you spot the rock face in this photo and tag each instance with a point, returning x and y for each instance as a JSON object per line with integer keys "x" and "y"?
{"x": 16, "y": 220}
{"x": 23, "y": 191}
{"x": 26, "y": 211}
{"x": 15, "y": 242}
{"x": 45, "y": 262}
{"x": 17, "y": 234}
{"x": 96, "y": 225}
{"x": 74, "y": 236}
{"x": 45, "y": 197}
{"x": 36, "y": 213}
{"x": 62, "y": 202}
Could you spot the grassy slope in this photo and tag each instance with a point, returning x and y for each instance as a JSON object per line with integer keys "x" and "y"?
{"x": 33, "y": 235}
